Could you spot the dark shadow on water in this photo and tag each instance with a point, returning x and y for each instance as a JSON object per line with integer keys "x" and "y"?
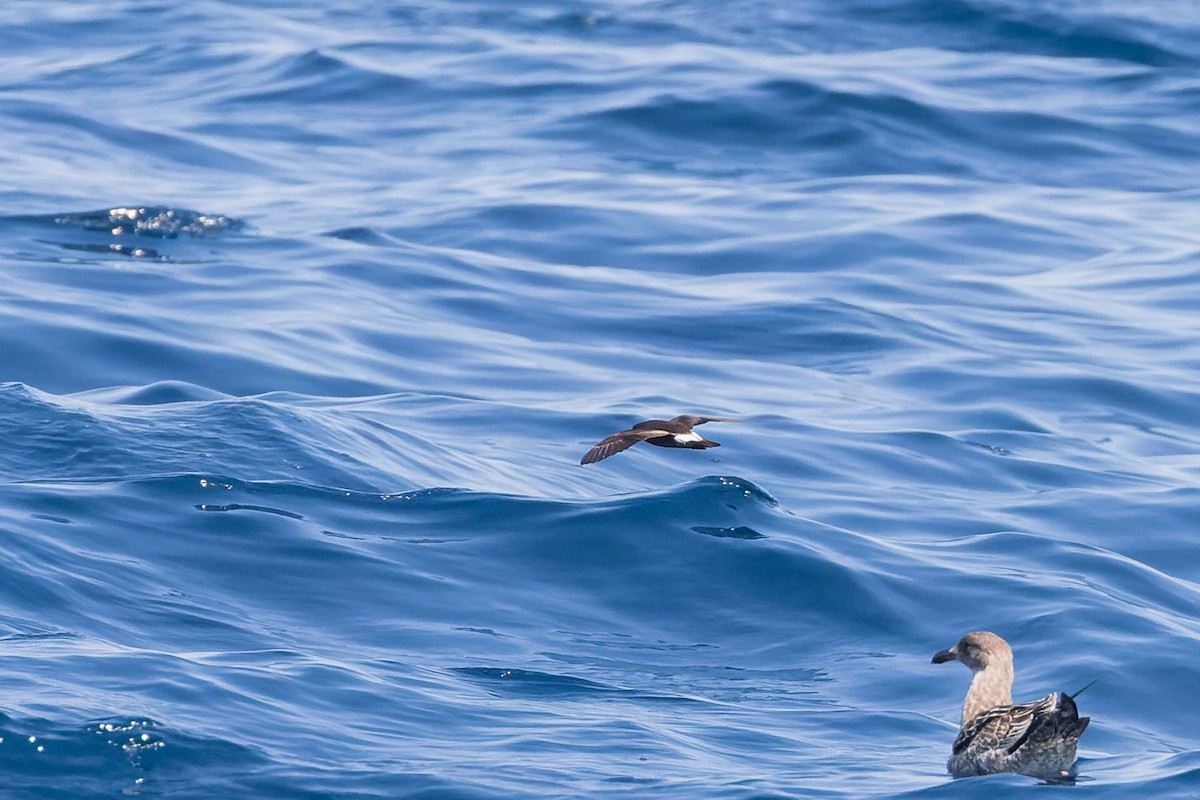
{"x": 737, "y": 532}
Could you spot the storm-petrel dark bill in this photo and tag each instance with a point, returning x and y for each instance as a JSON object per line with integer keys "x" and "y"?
{"x": 660, "y": 432}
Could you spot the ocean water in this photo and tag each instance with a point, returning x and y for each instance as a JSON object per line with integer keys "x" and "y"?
{"x": 310, "y": 309}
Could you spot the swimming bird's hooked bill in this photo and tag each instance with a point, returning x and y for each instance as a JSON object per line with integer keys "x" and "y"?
{"x": 675, "y": 432}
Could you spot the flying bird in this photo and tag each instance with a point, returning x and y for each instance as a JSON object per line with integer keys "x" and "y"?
{"x": 675, "y": 432}
{"x": 1036, "y": 738}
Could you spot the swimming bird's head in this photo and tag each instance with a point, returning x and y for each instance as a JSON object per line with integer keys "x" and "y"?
{"x": 976, "y": 650}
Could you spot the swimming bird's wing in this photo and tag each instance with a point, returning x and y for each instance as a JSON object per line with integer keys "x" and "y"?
{"x": 1030, "y": 718}
{"x": 1003, "y": 727}
{"x": 623, "y": 440}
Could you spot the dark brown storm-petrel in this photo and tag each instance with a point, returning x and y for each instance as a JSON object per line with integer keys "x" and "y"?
{"x": 675, "y": 432}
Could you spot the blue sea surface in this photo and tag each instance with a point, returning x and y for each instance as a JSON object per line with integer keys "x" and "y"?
{"x": 310, "y": 309}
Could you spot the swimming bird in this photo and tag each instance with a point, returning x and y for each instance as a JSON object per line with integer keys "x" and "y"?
{"x": 675, "y": 432}
{"x": 1036, "y": 738}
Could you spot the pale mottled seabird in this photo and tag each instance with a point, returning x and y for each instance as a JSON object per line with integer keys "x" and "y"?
{"x": 1036, "y": 738}
{"x": 675, "y": 432}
